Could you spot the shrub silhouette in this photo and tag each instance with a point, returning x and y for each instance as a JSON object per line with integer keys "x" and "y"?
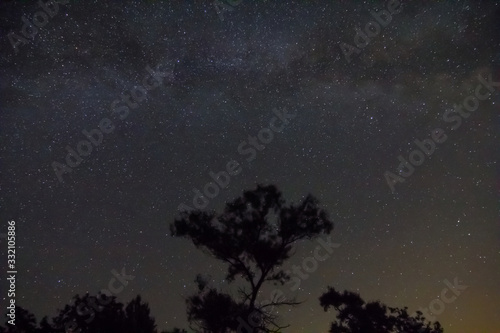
{"x": 89, "y": 314}
{"x": 354, "y": 315}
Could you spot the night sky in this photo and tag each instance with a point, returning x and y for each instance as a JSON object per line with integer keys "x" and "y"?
{"x": 224, "y": 77}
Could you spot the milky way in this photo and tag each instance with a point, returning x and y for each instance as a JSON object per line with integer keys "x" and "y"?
{"x": 360, "y": 103}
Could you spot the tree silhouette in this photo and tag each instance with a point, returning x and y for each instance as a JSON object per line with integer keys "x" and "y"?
{"x": 45, "y": 326}
{"x": 254, "y": 236}
{"x": 25, "y": 322}
{"x": 138, "y": 317}
{"x": 89, "y": 314}
{"x": 213, "y": 311}
{"x": 354, "y": 315}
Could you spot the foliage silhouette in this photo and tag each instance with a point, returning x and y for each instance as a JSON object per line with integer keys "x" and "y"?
{"x": 138, "y": 317}
{"x": 175, "y": 330}
{"x": 89, "y": 314}
{"x": 254, "y": 236}
{"x": 354, "y": 315}
{"x": 25, "y": 322}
